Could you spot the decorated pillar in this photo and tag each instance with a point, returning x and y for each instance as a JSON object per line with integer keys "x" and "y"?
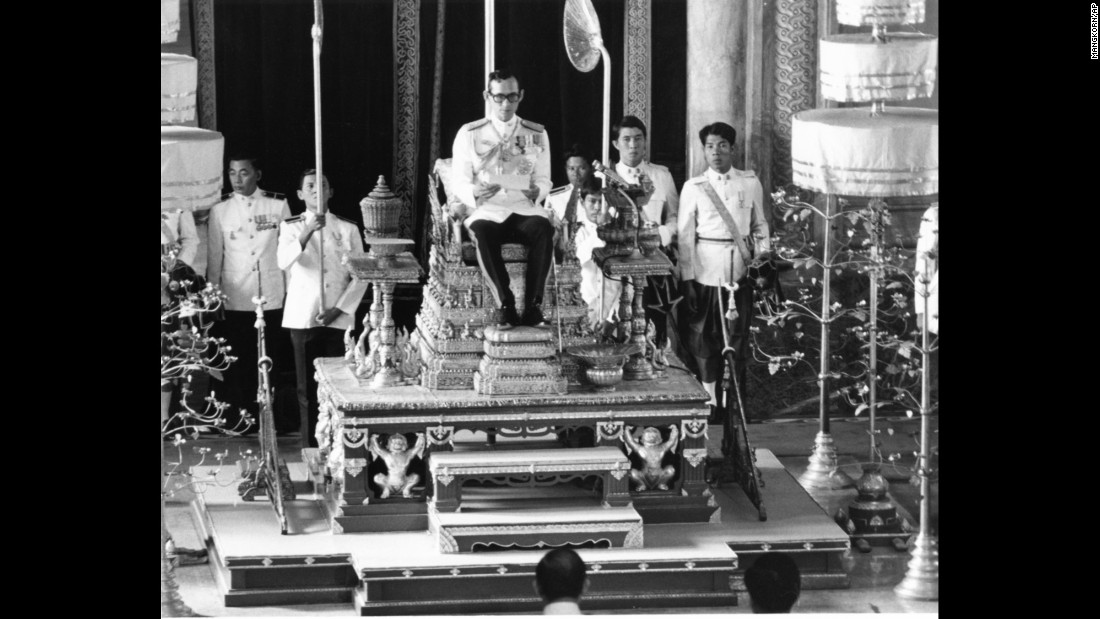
{"x": 795, "y": 76}
{"x": 406, "y": 108}
{"x": 204, "y": 53}
{"x": 716, "y": 75}
{"x": 637, "y": 47}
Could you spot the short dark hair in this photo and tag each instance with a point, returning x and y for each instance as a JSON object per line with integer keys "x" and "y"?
{"x": 500, "y": 75}
{"x": 773, "y": 580}
{"x": 311, "y": 172}
{"x": 628, "y": 121}
{"x": 591, "y": 186}
{"x": 577, "y": 150}
{"x": 560, "y": 574}
{"x": 720, "y": 129}
{"x": 252, "y": 158}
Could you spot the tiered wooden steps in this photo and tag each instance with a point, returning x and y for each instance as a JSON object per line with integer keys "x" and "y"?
{"x": 404, "y": 573}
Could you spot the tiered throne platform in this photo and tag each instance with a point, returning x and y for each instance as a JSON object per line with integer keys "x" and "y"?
{"x": 515, "y": 453}
{"x": 404, "y": 573}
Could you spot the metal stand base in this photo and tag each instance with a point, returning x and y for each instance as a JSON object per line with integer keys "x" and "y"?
{"x": 171, "y": 604}
{"x": 922, "y": 581}
{"x": 822, "y": 473}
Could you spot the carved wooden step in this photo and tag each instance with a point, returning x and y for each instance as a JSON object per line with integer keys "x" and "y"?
{"x": 614, "y": 527}
{"x": 450, "y": 469}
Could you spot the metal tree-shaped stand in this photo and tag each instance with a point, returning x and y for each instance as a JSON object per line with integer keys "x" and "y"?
{"x": 822, "y": 472}
{"x": 171, "y": 604}
{"x": 922, "y": 580}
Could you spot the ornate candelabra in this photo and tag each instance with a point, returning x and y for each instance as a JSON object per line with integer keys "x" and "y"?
{"x": 186, "y": 349}
{"x": 922, "y": 579}
{"x": 872, "y": 152}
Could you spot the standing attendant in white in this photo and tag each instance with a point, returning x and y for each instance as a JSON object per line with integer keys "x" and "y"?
{"x": 317, "y": 325}
{"x": 721, "y": 229}
{"x": 242, "y": 241}
{"x": 628, "y": 136}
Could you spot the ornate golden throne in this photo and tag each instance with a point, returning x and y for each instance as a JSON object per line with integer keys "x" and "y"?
{"x": 457, "y": 307}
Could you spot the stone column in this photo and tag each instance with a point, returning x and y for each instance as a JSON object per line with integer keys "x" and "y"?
{"x": 716, "y": 76}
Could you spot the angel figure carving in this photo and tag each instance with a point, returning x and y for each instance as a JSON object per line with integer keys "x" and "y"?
{"x": 652, "y": 450}
{"x": 397, "y": 457}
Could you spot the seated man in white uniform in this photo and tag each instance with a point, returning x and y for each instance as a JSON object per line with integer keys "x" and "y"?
{"x": 317, "y": 324}
{"x": 500, "y": 172}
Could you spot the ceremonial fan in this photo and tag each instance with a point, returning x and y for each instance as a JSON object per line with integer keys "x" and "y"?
{"x": 584, "y": 45}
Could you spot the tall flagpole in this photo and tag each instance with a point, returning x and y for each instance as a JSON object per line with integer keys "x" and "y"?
{"x": 319, "y": 183}
{"x": 490, "y": 43}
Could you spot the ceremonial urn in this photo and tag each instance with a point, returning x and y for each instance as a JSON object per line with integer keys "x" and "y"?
{"x": 604, "y": 363}
{"x": 649, "y": 239}
{"x": 381, "y": 210}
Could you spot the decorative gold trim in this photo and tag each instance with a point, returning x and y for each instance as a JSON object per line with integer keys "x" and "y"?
{"x": 447, "y": 543}
{"x": 694, "y": 428}
{"x": 354, "y": 466}
{"x": 406, "y": 61}
{"x": 635, "y": 538}
{"x": 205, "y": 181}
{"x": 695, "y": 457}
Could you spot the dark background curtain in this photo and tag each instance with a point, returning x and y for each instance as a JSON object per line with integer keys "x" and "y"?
{"x": 264, "y": 75}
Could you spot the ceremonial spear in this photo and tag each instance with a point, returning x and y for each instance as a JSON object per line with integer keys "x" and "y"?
{"x": 316, "y": 31}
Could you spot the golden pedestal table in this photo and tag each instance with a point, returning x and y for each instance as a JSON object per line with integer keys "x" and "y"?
{"x": 384, "y": 267}
{"x": 352, "y": 410}
{"x": 634, "y": 269}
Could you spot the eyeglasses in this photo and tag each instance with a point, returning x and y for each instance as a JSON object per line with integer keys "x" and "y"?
{"x": 512, "y": 97}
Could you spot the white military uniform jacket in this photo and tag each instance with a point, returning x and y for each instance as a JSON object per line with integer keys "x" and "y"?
{"x": 928, "y": 240}
{"x": 558, "y": 201}
{"x": 243, "y": 236}
{"x": 707, "y": 252}
{"x": 591, "y": 276}
{"x": 179, "y": 227}
{"x": 303, "y": 273}
{"x": 664, "y": 204}
{"x": 488, "y": 146}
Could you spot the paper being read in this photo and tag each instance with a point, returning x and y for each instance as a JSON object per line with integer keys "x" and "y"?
{"x": 512, "y": 182}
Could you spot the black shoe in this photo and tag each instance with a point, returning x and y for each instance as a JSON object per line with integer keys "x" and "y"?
{"x": 532, "y": 316}
{"x": 508, "y": 316}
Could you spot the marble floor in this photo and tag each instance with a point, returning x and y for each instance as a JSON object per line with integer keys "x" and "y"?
{"x": 873, "y": 575}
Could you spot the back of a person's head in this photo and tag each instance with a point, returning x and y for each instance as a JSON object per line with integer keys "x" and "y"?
{"x": 560, "y": 575}
{"x": 773, "y": 583}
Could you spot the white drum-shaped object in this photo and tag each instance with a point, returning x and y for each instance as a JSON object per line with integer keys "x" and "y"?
{"x": 190, "y": 168}
{"x": 849, "y": 152}
{"x": 169, "y": 20}
{"x": 854, "y": 68}
{"x": 870, "y": 12}
{"x": 179, "y": 81}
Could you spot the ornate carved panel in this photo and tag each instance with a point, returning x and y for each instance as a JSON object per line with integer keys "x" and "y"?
{"x": 406, "y": 108}
{"x": 795, "y": 76}
{"x": 638, "y": 59}
{"x": 204, "y": 53}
